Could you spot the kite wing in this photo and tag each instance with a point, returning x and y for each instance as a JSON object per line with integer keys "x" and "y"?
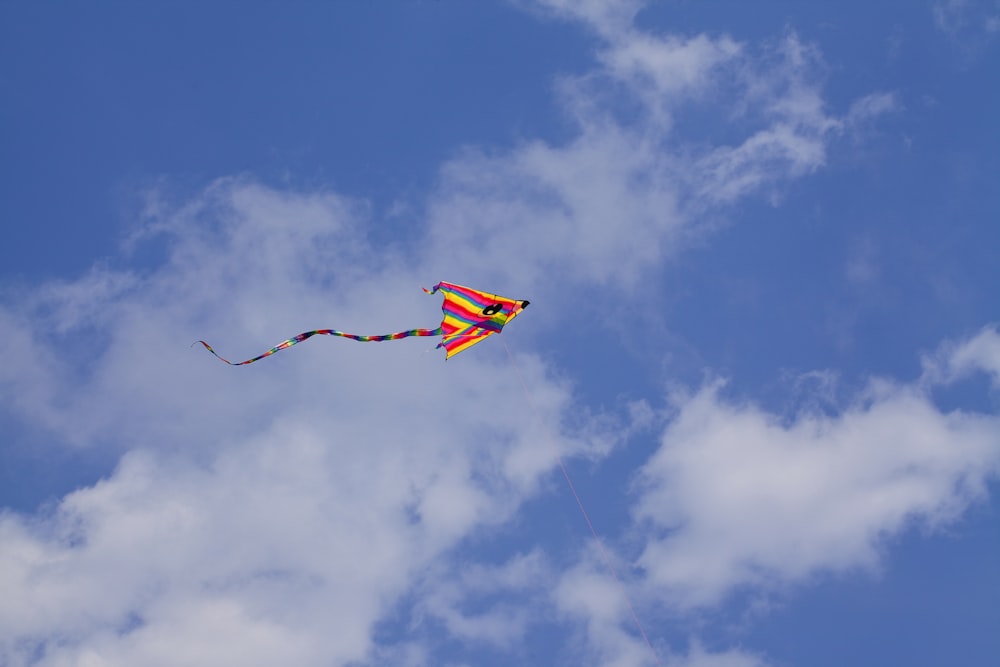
{"x": 470, "y": 316}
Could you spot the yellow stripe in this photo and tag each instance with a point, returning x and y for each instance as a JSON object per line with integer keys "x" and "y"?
{"x": 461, "y": 347}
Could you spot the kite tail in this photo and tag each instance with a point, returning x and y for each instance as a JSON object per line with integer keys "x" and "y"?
{"x": 326, "y": 332}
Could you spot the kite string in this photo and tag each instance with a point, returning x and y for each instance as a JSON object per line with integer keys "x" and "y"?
{"x": 579, "y": 503}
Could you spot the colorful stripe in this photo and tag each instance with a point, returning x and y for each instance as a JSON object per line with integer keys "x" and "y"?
{"x": 470, "y": 316}
{"x": 326, "y": 332}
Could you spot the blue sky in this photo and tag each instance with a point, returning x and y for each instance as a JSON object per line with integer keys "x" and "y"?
{"x": 759, "y": 242}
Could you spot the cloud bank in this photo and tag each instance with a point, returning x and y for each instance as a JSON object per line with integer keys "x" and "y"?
{"x": 325, "y": 510}
{"x": 742, "y": 498}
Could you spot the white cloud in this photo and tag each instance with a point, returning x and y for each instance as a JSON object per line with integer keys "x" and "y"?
{"x": 699, "y": 657}
{"x": 862, "y": 268}
{"x": 627, "y": 192}
{"x": 587, "y": 594}
{"x": 606, "y": 17}
{"x": 953, "y": 362}
{"x": 610, "y": 637}
{"x": 663, "y": 71}
{"x": 869, "y": 107}
{"x": 955, "y": 16}
{"x": 970, "y": 24}
{"x": 506, "y": 615}
{"x": 738, "y": 497}
{"x": 235, "y": 564}
{"x": 256, "y": 508}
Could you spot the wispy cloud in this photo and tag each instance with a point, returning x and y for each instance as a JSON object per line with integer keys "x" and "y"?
{"x": 742, "y": 498}
{"x": 956, "y": 361}
{"x": 253, "y": 509}
{"x": 278, "y": 517}
{"x": 970, "y": 24}
{"x": 628, "y": 192}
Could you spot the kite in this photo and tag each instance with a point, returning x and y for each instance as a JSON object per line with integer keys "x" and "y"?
{"x": 470, "y": 317}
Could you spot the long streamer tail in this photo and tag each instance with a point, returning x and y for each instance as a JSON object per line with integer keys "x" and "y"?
{"x": 326, "y": 332}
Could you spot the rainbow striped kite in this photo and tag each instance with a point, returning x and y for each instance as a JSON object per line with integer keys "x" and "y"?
{"x": 470, "y": 317}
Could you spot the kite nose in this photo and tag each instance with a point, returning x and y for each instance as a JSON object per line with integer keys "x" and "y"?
{"x": 524, "y": 304}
